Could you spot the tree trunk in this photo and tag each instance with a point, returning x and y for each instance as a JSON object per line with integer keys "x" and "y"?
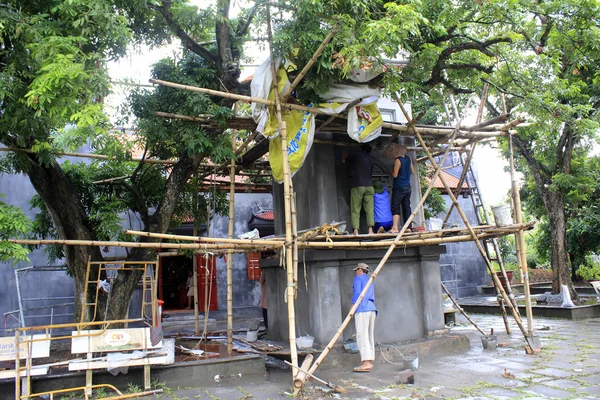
{"x": 555, "y": 205}
{"x": 58, "y": 194}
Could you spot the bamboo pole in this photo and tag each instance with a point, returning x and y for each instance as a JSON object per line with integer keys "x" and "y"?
{"x": 459, "y": 308}
{"x": 99, "y": 243}
{"x": 230, "y": 236}
{"x": 472, "y": 233}
{"x": 521, "y": 236}
{"x": 203, "y": 239}
{"x": 301, "y": 376}
{"x": 195, "y": 273}
{"x": 109, "y": 180}
{"x": 376, "y": 271}
{"x": 308, "y": 65}
{"x": 290, "y": 288}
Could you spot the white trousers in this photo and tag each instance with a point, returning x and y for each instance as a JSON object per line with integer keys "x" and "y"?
{"x": 365, "y": 338}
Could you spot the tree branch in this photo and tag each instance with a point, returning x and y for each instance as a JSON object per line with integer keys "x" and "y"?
{"x": 186, "y": 40}
{"x": 440, "y": 65}
{"x": 243, "y": 29}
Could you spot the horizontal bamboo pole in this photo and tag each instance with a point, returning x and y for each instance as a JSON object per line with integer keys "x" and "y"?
{"x": 313, "y": 110}
{"x": 109, "y": 180}
{"x": 203, "y": 239}
{"x": 200, "y": 246}
{"x": 133, "y": 159}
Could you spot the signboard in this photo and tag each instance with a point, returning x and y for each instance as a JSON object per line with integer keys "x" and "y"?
{"x": 112, "y": 340}
{"x": 39, "y": 349}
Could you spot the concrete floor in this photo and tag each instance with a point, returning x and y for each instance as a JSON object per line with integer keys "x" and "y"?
{"x": 568, "y": 367}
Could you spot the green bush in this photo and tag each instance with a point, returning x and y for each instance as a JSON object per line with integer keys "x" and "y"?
{"x": 589, "y": 271}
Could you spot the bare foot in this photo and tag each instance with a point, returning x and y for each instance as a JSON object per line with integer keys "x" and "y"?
{"x": 356, "y": 231}
{"x": 370, "y": 231}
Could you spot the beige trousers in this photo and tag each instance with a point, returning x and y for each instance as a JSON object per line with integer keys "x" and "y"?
{"x": 365, "y": 338}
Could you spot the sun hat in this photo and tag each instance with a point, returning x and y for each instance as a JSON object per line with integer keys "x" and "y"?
{"x": 362, "y": 266}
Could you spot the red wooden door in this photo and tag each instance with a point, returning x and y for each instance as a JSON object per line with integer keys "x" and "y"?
{"x": 207, "y": 282}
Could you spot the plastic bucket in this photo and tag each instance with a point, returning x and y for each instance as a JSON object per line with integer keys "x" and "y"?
{"x": 304, "y": 342}
{"x": 489, "y": 342}
{"x": 502, "y": 215}
{"x": 251, "y": 336}
{"x": 411, "y": 362}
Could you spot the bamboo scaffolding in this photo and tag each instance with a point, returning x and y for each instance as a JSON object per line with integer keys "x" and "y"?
{"x": 195, "y": 282}
{"x": 472, "y": 233}
{"x": 376, "y": 271}
{"x": 230, "y": 236}
{"x": 521, "y": 240}
{"x": 287, "y": 185}
{"x": 459, "y": 308}
{"x": 101, "y": 243}
{"x": 392, "y": 126}
{"x": 203, "y": 239}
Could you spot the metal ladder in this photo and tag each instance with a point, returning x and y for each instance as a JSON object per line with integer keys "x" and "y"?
{"x": 490, "y": 245}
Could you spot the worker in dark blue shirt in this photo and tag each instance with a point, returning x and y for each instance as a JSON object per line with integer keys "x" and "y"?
{"x": 401, "y": 191}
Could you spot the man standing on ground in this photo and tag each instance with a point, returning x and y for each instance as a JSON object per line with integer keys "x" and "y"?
{"x": 364, "y": 319}
{"x": 361, "y": 194}
{"x": 401, "y": 192}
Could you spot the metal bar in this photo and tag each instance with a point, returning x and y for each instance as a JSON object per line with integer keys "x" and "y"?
{"x": 19, "y": 298}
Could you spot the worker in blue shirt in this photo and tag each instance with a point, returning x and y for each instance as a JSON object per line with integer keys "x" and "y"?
{"x": 364, "y": 319}
{"x": 382, "y": 210}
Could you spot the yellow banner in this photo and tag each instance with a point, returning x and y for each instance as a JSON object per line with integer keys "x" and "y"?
{"x": 300, "y": 133}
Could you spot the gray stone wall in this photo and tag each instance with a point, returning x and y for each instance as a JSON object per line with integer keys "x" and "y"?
{"x": 407, "y": 294}
{"x": 462, "y": 267}
{"x": 37, "y": 285}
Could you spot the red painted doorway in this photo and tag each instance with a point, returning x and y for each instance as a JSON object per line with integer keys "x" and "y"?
{"x": 172, "y": 278}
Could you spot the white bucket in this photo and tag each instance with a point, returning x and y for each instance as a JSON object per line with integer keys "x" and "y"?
{"x": 304, "y": 342}
{"x": 502, "y": 215}
{"x": 251, "y": 336}
{"x": 411, "y": 362}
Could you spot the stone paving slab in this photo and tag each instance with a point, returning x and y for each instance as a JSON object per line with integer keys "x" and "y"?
{"x": 568, "y": 367}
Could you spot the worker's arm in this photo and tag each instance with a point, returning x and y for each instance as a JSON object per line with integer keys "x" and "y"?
{"x": 397, "y": 165}
{"x": 357, "y": 289}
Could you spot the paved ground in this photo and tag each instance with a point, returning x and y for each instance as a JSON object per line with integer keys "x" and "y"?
{"x": 568, "y": 367}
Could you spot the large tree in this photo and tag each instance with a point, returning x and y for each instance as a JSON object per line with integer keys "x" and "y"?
{"x": 550, "y": 76}
{"x": 53, "y": 80}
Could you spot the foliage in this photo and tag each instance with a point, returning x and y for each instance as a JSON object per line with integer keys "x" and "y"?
{"x": 589, "y": 271}
{"x": 13, "y": 224}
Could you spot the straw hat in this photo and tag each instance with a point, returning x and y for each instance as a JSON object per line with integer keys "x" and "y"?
{"x": 362, "y": 266}
{"x": 393, "y": 151}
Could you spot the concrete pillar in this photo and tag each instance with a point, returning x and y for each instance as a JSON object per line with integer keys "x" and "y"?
{"x": 433, "y": 313}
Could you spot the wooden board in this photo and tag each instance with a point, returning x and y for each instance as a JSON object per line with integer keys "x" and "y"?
{"x": 39, "y": 349}
{"x": 112, "y": 340}
{"x": 11, "y": 373}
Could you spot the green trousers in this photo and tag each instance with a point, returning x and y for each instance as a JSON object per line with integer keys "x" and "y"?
{"x": 361, "y": 197}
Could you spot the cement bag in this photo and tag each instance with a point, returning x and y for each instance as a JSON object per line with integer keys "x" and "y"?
{"x": 262, "y": 87}
{"x": 300, "y": 134}
{"x": 345, "y": 93}
{"x": 270, "y": 129}
{"x": 365, "y": 121}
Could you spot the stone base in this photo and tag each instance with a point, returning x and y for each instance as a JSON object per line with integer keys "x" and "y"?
{"x": 407, "y": 294}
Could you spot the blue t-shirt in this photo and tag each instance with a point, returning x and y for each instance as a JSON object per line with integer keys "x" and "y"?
{"x": 368, "y": 302}
{"x": 403, "y": 178}
{"x": 383, "y": 211}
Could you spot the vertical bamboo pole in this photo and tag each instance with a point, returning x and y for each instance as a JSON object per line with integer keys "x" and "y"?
{"x": 17, "y": 364}
{"x": 520, "y": 235}
{"x": 230, "y": 236}
{"x": 469, "y": 227}
{"x": 195, "y": 274}
{"x": 387, "y": 255}
{"x": 290, "y": 288}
